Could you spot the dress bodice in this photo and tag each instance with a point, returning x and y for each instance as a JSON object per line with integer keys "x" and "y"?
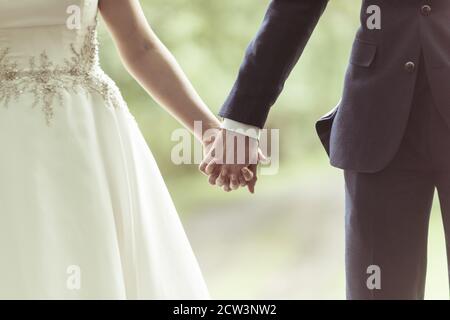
{"x": 50, "y": 46}
{"x": 54, "y": 28}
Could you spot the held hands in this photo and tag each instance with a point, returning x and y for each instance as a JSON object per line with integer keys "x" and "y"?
{"x": 230, "y": 160}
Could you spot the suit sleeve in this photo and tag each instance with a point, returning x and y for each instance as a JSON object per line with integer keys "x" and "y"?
{"x": 270, "y": 57}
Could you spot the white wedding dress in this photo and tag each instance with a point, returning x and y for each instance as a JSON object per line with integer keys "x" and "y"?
{"x": 84, "y": 211}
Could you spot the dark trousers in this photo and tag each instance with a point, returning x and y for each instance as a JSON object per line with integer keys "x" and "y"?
{"x": 387, "y": 213}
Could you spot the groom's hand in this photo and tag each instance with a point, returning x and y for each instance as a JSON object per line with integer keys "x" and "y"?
{"x": 231, "y": 160}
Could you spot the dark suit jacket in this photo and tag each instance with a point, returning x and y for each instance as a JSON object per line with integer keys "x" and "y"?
{"x": 365, "y": 130}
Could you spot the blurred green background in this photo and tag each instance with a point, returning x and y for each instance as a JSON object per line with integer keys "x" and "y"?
{"x": 286, "y": 241}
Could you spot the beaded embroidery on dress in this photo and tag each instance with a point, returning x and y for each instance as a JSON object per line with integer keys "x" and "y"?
{"x": 46, "y": 80}
{"x": 84, "y": 211}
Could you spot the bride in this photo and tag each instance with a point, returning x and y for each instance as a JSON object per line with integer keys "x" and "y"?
{"x": 84, "y": 211}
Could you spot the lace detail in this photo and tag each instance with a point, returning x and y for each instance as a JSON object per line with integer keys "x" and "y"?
{"x": 47, "y": 81}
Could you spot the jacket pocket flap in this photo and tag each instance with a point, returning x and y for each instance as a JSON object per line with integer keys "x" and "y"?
{"x": 363, "y": 53}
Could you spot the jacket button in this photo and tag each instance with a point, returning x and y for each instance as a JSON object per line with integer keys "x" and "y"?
{"x": 410, "y": 66}
{"x": 426, "y": 10}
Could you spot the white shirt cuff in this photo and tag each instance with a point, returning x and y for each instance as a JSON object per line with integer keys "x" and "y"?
{"x": 241, "y": 128}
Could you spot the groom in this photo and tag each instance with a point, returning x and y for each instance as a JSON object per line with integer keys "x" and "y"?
{"x": 390, "y": 132}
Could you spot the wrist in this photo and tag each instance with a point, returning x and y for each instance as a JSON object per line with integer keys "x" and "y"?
{"x": 241, "y": 128}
